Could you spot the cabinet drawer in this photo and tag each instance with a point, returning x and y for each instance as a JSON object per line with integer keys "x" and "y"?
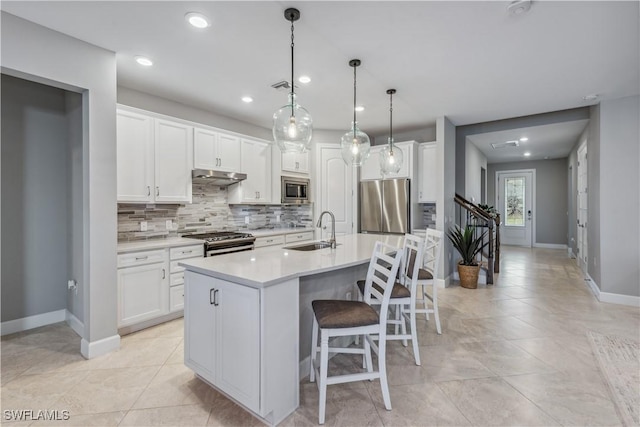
{"x": 175, "y": 268}
{"x": 141, "y": 258}
{"x": 176, "y": 279}
{"x": 192, "y": 251}
{"x": 298, "y": 237}
{"x": 269, "y": 241}
{"x": 176, "y": 298}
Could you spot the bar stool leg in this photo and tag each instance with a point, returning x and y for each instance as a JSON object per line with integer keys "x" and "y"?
{"x": 324, "y": 361}
{"x": 414, "y": 335}
{"x": 314, "y": 349}
{"x": 382, "y": 368}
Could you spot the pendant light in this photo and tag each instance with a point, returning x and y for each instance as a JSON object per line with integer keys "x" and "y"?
{"x": 355, "y": 144}
{"x": 390, "y": 156}
{"x": 292, "y": 124}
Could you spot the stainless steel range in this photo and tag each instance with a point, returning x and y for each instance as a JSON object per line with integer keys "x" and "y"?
{"x": 224, "y": 242}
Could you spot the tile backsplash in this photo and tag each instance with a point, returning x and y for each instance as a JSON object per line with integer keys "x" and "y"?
{"x": 208, "y": 211}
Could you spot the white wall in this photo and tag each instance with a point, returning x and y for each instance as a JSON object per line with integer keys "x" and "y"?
{"x": 36, "y": 53}
{"x": 474, "y": 161}
{"x": 619, "y": 198}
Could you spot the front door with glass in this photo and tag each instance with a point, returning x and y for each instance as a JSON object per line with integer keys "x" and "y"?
{"x": 515, "y": 204}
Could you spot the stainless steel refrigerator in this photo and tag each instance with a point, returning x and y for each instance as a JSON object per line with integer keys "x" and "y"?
{"x": 385, "y": 206}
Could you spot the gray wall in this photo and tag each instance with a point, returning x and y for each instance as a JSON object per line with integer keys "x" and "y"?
{"x": 75, "y": 187}
{"x": 551, "y": 196}
{"x": 593, "y": 186}
{"x": 39, "y": 54}
{"x": 445, "y": 206}
{"x": 619, "y": 200}
{"x": 35, "y": 199}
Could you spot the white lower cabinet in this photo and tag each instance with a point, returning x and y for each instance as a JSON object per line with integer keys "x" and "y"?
{"x": 298, "y": 237}
{"x": 142, "y": 291}
{"x": 243, "y": 341}
{"x": 222, "y": 336}
{"x": 269, "y": 241}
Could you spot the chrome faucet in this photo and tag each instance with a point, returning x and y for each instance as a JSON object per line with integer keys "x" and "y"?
{"x": 332, "y": 240}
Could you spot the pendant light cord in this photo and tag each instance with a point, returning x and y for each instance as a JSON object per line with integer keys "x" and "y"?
{"x": 292, "y": 85}
{"x": 354, "y": 101}
{"x": 391, "y": 122}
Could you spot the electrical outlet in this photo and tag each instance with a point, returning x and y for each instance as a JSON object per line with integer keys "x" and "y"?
{"x": 348, "y": 296}
{"x": 169, "y": 224}
{"x": 247, "y": 220}
{"x": 277, "y": 218}
{"x": 433, "y": 217}
{"x": 143, "y": 225}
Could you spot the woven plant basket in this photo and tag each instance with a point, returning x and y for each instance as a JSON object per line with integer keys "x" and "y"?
{"x": 468, "y": 275}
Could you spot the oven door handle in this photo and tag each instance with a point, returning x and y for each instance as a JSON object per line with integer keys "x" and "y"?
{"x": 211, "y": 252}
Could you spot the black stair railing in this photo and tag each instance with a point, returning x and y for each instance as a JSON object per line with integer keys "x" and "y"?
{"x": 471, "y": 214}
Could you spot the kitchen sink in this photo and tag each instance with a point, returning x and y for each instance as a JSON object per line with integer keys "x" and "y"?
{"x": 310, "y": 246}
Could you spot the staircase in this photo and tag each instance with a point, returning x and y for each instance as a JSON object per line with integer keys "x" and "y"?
{"x": 471, "y": 214}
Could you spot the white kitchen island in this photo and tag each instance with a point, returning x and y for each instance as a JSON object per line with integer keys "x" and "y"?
{"x": 248, "y": 317}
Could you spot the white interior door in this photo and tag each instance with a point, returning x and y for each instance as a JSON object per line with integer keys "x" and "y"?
{"x": 581, "y": 233}
{"x": 515, "y": 203}
{"x": 335, "y": 190}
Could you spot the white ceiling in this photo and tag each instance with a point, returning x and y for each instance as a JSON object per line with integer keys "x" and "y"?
{"x": 470, "y": 61}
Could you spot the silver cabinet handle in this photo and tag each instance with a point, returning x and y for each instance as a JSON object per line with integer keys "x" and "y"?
{"x": 140, "y": 258}
{"x": 148, "y": 190}
{"x": 187, "y": 252}
{"x": 215, "y": 298}
{"x": 270, "y": 240}
{"x": 164, "y": 273}
{"x": 157, "y": 191}
{"x": 258, "y": 194}
{"x": 211, "y": 291}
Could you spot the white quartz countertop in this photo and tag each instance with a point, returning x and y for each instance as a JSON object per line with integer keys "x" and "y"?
{"x": 170, "y": 242}
{"x": 271, "y": 265}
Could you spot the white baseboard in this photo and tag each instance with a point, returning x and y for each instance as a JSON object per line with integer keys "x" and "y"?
{"x": 75, "y": 323}
{"x": 442, "y": 283}
{"x": 30, "y": 322}
{"x": 610, "y": 298}
{"x": 89, "y": 350}
{"x": 550, "y": 245}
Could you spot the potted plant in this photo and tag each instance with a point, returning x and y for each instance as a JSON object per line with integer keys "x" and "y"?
{"x": 469, "y": 244}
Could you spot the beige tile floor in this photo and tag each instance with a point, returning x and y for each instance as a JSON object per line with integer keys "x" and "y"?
{"x": 514, "y": 353}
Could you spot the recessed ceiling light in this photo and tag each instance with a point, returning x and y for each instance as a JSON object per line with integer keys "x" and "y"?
{"x": 591, "y": 97}
{"x": 247, "y": 99}
{"x": 524, "y": 139}
{"x": 360, "y": 108}
{"x": 304, "y": 79}
{"x": 527, "y": 154}
{"x": 197, "y": 20}
{"x": 143, "y": 60}
{"x": 519, "y": 7}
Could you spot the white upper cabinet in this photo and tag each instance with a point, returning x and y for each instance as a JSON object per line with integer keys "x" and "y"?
{"x": 295, "y": 162}
{"x": 427, "y": 172}
{"x": 173, "y": 161}
{"x": 370, "y": 169}
{"x": 135, "y": 157}
{"x": 155, "y": 159}
{"x": 215, "y": 151}
{"x": 256, "y": 163}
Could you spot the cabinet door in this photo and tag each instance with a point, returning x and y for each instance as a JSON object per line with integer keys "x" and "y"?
{"x": 427, "y": 173}
{"x": 370, "y": 168}
{"x": 238, "y": 342}
{"x": 295, "y": 162}
{"x": 135, "y": 157}
{"x": 228, "y": 153}
{"x": 142, "y": 293}
{"x": 256, "y": 163}
{"x": 174, "y": 157}
{"x": 199, "y": 317}
{"x": 204, "y": 149}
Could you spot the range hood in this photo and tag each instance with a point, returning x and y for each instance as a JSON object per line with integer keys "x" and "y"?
{"x": 219, "y": 178}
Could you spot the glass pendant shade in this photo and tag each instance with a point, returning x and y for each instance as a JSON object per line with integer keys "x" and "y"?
{"x": 355, "y": 146}
{"x": 390, "y": 159}
{"x": 292, "y": 127}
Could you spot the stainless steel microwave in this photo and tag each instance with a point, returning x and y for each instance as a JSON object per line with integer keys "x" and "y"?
{"x": 295, "y": 190}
